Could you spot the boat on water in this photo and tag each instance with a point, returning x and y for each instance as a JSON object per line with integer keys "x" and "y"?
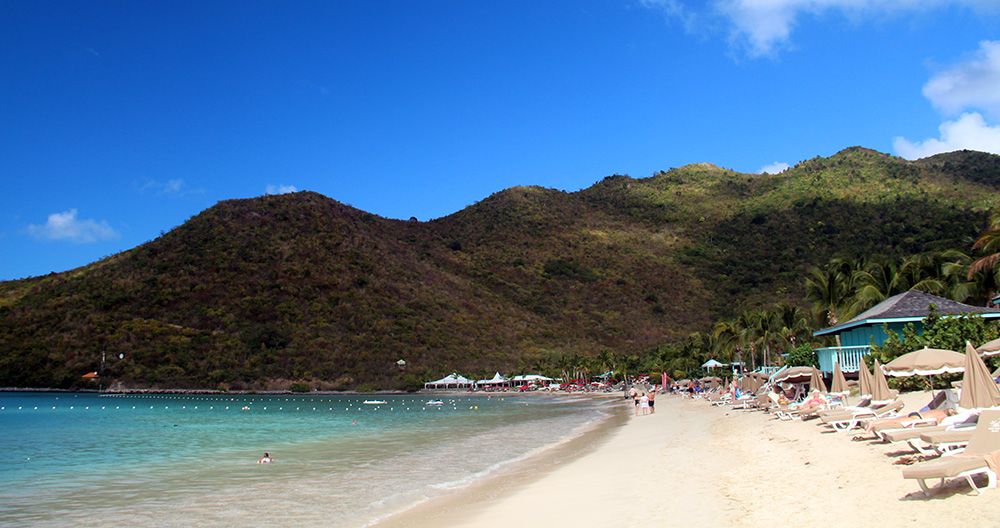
{"x": 434, "y": 402}
{"x": 374, "y": 402}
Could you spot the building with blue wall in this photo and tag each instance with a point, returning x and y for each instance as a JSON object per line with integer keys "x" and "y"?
{"x": 858, "y": 335}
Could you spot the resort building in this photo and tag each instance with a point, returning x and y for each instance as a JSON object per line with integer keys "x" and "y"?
{"x": 856, "y": 336}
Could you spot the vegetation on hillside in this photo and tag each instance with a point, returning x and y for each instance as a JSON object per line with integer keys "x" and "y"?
{"x": 629, "y": 274}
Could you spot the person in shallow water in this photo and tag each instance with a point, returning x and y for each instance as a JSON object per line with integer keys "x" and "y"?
{"x": 266, "y": 459}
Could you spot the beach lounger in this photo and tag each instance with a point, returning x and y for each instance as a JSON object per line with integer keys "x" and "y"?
{"x": 981, "y": 457}
{"x": 863, "y": 416}
{"x": 947, "y": 443}
{"x": 845, "y": 409}
{"x": 962, "y": 422}
{"x": 915, "y": 420}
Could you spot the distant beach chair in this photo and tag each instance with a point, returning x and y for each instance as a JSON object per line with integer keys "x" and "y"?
{"x": 981, "y": 457}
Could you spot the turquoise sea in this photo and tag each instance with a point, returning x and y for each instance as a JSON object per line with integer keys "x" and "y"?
{"x": 71, "y": 459}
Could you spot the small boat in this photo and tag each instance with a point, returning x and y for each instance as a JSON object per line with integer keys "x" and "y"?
{"x": 374, "y": 402}
{"x": 434, "y": 402}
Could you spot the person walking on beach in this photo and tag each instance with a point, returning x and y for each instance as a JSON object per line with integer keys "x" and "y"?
{"x": 652, "y": 397}
{"x": 644, "y": 404}
{"x": 635, "y": 399}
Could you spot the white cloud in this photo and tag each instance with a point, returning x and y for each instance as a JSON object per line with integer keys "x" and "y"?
{"x": 974, "y": 83}
{"x": 172, "y": 187}
{"x": 774, "y": 168}
{"x": 763, "y": 27}
{"x": 66, "y": 226}
{"x": 970, "y": 131}
{"x": 279, "y": 189}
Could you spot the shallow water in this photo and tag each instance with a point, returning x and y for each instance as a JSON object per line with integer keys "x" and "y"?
{"x": 178, "y": 460}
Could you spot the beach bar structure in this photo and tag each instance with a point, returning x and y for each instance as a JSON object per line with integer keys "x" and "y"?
{"x": 856, "y": 336}
{"x": 451, "y": 381}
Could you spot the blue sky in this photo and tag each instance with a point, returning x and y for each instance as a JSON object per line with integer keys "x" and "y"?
{"x": 120, "y": 120}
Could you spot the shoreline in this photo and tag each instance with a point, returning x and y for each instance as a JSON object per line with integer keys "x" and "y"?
{"x": 457, "y": 503}
{"x": 693, "y": 463}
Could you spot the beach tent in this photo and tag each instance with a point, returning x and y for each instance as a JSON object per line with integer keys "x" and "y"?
{"x": 711, "y": 364}
{"x": 496, "y": 381}
{"x": 978, "y": 389}
{"x": 451, "y": 381}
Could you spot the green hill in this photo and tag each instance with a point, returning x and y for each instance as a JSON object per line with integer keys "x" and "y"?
{"x": 257, "y": 293}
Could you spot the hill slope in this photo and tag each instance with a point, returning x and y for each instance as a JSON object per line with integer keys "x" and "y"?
{"x": 299, "y": 286}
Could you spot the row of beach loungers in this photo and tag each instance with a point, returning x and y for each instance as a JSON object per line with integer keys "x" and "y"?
{"x": 960, "y": 443}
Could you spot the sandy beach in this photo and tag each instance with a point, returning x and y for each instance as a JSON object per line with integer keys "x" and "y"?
{"x": 692, "y": 463}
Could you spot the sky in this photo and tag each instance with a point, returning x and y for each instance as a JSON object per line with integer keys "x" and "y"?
{"x": 121, "y": 120}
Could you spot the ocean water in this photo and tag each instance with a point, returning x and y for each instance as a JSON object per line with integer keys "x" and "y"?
{"x": 184, "y": 460}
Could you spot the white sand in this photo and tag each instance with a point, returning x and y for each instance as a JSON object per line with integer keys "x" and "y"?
{"x": 691, "y": 463}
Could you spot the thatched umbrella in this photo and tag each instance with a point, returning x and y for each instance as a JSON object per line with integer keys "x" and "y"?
{"x": 978, "y": 389}
{"x": 816, "y": 381}
{"x": 839, "y": 384}
{"x": 880, "y": 386}
{"x": 864, "y": 380}
{"x": 990, "y": 348}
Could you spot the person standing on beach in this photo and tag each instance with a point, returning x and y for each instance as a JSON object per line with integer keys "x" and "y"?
{"x": 652, "y": 397}
{"x": 644, "y": 404}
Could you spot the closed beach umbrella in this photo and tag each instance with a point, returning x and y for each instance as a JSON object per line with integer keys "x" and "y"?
{"x": 978, "y": 389}
{"x": 864, "y": 380}
{"x": 926, "y": 362}
{"x": 990, "y": 348}
{"x": 880, "y": 386}
{"x": 816, "y": 381}
{"x": 839, "y": 383}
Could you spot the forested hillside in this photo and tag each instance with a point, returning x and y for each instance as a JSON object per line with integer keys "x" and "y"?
{"x": 261, "y": 292}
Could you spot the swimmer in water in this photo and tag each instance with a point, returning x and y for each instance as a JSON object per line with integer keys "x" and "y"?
{"x": 266, "y": 459}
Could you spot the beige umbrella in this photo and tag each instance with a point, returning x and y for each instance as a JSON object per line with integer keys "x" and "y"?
{"x": 990, "y": 348}
{"x": 839, "y": 384}
{"x": 816, "y": 381}
{"x": 880, "y": 386}
{"x": 864, "y": 380}
{"x": 926, "y": 362}
{"x": 978, "y": 389}
{"x": 794, "y": 375}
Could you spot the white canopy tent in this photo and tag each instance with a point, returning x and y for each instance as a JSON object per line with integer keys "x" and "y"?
{"x": 451, "y": 381}
{"x": 496, "y": 381}
{"x": 711, "y": 364}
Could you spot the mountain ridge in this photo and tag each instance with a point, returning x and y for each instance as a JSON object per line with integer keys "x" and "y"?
{"x": 252, "y": 293}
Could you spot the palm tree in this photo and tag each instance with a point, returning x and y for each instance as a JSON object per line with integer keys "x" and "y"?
{"x": 792, "y": 323}
{"x": 829, "y": 289}
{"x": 988, "y": 242}
{"x": 875, "y": 283}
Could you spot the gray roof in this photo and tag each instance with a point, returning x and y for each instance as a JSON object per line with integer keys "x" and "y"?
{"x": 913, "y": 304}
